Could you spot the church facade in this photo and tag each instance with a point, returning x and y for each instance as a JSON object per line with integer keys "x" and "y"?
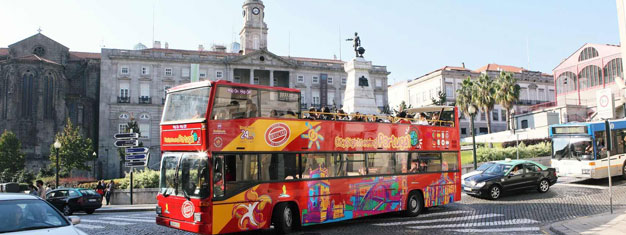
{"x": 134, "y": 82}
{"x": 42, "y": 84}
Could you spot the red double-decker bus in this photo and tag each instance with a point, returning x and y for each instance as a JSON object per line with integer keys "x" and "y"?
{"x": 240, "y": 157}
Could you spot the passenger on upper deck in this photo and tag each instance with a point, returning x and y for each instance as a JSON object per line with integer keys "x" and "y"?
{"x": 251, "y": 109}
{"x": 342, "y": 115}
{"x": 401, "y": 118}
{"x": 435, "y": 120}
{"x": 421, "y": 120}
{"x": 326, "y": 114}
{"x": 290, "y": 114}
{"x": 312, "y": 114}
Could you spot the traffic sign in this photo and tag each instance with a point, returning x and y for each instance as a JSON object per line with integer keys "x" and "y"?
{"x": 136, "y": 150}
{"x": 124, "y": 136}
{"x": 137, "y": 163}
{"x": 126, "y": 143}
{"x": 142, "y": 157}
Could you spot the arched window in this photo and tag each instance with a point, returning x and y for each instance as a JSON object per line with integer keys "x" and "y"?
{"x": 144, "y": 116}
{"x": 587, "y": 53}
{"x": 27, "y": 94}
{"x": 48, "y": 95}
{"x": 566, "y": 82}
{"x": 124, "y": 116}
{"x": 589, "y": 76}
{"x": 613, "y": 69}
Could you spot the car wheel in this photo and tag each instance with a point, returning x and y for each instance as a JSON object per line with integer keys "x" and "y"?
{"x": 67, "y": 210}
{"x": 284, "y": 218}
{"x": 495, "y": 192}
{"x": 414, "y": 204}
{"x": 543, "y": 186}
{"x": 90, "y": 211}
{"x": 624, "y": 170}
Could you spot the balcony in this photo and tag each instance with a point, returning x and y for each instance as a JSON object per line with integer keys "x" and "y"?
{"x": 145, "y": 100}
{"x": 123, "y": 99}
{"x": 303, "y": 106}
{"x": 528, "y": 102}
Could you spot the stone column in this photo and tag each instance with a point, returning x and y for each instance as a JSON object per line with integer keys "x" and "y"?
{"x": 271, "y": 77}
{"x": 359, "y": 97}
{"x": 251, "y": 76}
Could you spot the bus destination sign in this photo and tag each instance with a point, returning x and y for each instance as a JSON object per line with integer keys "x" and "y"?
{"x": 569, "y": 130}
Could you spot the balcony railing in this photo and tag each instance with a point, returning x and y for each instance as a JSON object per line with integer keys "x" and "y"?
{"x": 303, "y": 106}
{"x": 528, "y": 102}
{"x": 123, "y": 99}
{"x": 145, "y": 100}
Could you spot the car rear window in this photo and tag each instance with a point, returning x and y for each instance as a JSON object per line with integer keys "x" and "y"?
{"x": 88, "y": 192}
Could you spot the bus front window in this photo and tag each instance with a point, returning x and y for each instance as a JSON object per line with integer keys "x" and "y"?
{"x": 579, "y": 148}
{"x": 187, "y": 105}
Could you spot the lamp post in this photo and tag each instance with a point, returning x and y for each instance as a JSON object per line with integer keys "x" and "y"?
{"x": 472, "y": 111}
{"x": 57, "y": 146}
{"x": 95, "y": 157}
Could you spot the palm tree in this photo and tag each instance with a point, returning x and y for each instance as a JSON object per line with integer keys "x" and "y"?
{"x": 464, "y": 96}
{"x": 507, "y": 94}
{"x": 483, "y": 96}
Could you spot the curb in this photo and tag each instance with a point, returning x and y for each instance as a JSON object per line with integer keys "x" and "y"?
{"x": 126, "y": 210}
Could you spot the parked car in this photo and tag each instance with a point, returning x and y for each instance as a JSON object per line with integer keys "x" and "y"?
{"x": 69, "y": 200}
{"x": 25, "y": 214}
{"x": 509, "y": 175}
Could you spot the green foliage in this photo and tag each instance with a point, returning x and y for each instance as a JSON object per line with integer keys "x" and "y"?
{"x": 401, "y": 107}
{"x": 507, "y": 92}
{"x": 441, "y": 98}
{"x": 75, "y": 150}
{"x": 483, "y": 96}
{"x": 46, "y": 172}
{"x": 142, "y": 179}
{"x": 11, "y": 157}
{"x": 495, "y": 154}
{"x": 464, "y": 96}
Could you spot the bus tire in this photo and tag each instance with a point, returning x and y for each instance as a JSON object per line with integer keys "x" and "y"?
{"x": 414, "y": 204}
{"x": 285, "y": 218}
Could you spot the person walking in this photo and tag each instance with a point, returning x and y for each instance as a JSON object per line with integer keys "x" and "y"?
{"x": 109, "y": 191}
{"x": 41, "y": 189}
{"x": 33, "y": 189}
{"x": 100, "y": 187}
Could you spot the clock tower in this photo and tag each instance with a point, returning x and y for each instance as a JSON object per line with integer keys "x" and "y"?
{"x": 253, "y": 35}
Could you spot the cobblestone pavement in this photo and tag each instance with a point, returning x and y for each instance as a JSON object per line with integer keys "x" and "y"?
{"x": 514, "y": 213}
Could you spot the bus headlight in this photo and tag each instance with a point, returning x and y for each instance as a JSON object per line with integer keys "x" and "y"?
{"x": 586, "y": 171}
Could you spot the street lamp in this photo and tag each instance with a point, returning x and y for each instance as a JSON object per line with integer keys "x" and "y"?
{"x": 472, "y": 111}
{"x": 95, "y": 156}
{"x": 57, "y": 146}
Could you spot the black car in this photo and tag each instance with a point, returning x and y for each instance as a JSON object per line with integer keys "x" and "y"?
{"x": 69, "y": 200}
{"x": 509, "y": 175}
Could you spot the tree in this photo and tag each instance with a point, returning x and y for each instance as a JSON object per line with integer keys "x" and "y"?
{"x": 464, "y": 96}
{"x": 440, "y": 100}
{"x": 507, "y": 94}
{"x": 402, "y": 107}
{"x": 483, "y": 96}
{"x": 11, "y": 156}
{"x": 75, "y": 150}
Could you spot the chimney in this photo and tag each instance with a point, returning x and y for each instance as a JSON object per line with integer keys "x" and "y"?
{"x": 167, "y": 46}
{"x": 157, "y": 44}
{"x": 463, "y": 63}
{"x": 200, "y": 47}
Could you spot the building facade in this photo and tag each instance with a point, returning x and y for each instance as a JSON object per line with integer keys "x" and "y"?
{"x": 536, "y": 88}
{"x": 134, "y": 81}
{"x": 42, "y": 84}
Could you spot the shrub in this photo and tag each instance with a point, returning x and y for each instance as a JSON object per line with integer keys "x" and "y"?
{"x": 527, "y": 142}
{"x": 495, "y": 154}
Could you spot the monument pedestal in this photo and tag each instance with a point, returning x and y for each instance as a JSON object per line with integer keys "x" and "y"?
{"x": 359, "y": 94}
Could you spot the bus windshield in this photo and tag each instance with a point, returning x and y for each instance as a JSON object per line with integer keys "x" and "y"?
{"x": 187, "y": 105}
{"x": 579, "y": 148}
{"x": 184, "y": 175}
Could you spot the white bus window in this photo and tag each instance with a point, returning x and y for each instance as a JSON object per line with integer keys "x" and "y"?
{"x": 355, "y": 164}
{"x": 450, "y": 161}
{"x": 279, "y": 166}
{"x": 380, "y": 163}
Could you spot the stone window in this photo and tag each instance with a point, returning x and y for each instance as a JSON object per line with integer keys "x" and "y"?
{"x": 145, "y": 71}
{"x": 316, "y": 80}
{"x": 124, "y": 87}
{"x": 300, "y": 79}
{"x": 27, "y": 94}
{"x": 503, "y": 115}
{"x": 494, "y": 115}
{"x": 379, "y": 83}
{"x": 202, "y": 73}
{"x": 39, "y": 51}
{"x": 219, "y": 74}
{"x": 48, "y": 96}
{"x": 144, "y": 128}
{"x": 168, "y": 72}
{"x": 144, "y": 90}
{"x": 185, "y": 72}
{"x": 80, "y": 114}
{"x": 329, "y": 80}
{"x": 122, "y": 128}
{"x": 482, "y": 116}
{"x": 524, "y": 124}
{"x": 449, "y": 90}
{"x": 124, "y": 70}
{"x": 123, "y": 116}
{"x": 343, "y": 81}
{"x": 588, "y": 53}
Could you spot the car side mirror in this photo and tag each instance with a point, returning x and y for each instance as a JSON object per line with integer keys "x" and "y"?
{"x": 74, "y": 219}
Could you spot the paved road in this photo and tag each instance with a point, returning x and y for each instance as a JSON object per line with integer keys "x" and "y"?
{"x": 518, "y": 213}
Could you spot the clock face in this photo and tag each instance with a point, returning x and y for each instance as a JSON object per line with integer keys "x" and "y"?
{"x": 255, "y": 11}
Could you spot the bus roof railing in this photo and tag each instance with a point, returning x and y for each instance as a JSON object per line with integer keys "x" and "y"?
{"x": 376, "y": 118}
{"x": 430, "y": 109}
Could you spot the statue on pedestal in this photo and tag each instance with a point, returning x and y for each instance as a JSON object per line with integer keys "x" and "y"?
{"x": 358, "y": 49}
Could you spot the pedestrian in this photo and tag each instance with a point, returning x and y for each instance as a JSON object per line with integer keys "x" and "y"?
{"x": 100, "y": 187}
{"x": 109, "y": 191}
{"x": 33, "y": 189}
{"x": 41, "y": 189}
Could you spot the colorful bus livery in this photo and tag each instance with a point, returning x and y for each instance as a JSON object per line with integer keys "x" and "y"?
{"x": 236, "y": 159}
{"x": 578, "y": 149}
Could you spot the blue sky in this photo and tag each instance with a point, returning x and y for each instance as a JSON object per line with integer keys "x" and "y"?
{"x": 410, "y": 37}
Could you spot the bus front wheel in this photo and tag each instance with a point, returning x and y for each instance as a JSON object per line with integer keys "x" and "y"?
{"x": 284, "y": 218}
{"x": 414, "y": 204}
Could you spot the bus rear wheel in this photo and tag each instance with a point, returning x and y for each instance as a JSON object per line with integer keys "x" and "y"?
{"x": 284, "y": 218}
{"x": 414, "y": 204}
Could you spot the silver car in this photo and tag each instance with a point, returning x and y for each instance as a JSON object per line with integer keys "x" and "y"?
{"x": 26, "y": 214}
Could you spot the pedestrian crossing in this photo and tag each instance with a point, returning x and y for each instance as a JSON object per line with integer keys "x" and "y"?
{"x": 118, "y": 220}
{"x": 469, "y": 222}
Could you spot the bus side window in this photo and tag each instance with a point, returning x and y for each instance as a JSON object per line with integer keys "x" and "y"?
{"x": 402, "y": 160}
{"x": 279, "y": 166}
{"x": 218, "y": 176}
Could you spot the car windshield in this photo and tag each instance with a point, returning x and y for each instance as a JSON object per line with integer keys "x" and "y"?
{"x": 187, "y": 105}
{"x": 485, "y": 166}
{"x": 498, "y": 169}
{"x": 31, "y": 214}
{"x": 579, "y": 148}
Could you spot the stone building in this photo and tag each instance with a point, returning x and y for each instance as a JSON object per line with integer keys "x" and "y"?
{"x": 536, "y": 89}
{"x": 134, "y": 81}
{"x": 42, "y": 84}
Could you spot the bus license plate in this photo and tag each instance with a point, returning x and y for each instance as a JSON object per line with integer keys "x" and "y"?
{"x": 174, "y": 224}
{"x": 467, "y": 189}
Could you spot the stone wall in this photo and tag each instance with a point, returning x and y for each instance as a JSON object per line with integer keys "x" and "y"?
{"x": 140, "y": 196}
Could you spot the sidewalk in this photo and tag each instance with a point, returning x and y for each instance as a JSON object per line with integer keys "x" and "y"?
{"x": 605, "y": 224}
{"x": 127, "y": 208}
